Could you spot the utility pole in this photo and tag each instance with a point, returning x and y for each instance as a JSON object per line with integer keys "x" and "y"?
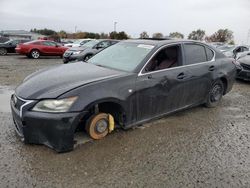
{"x": 248, "y": 37}
{"x": 75, "y": 28}
{"x": 115, "y": 26}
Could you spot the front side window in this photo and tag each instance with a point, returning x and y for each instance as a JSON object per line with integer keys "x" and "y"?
{"x": 103, "y": 44}
{"x": 245, "y": 49}
{"x": 194, "y": 53}
{"x": 166, "y": 58}
{"x": 47, "y": 43}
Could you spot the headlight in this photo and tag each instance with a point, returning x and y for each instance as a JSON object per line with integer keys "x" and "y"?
{"x": 51, "y": 105}
{"x": 76, "y": 52}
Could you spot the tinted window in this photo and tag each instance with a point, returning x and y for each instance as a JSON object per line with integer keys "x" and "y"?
{"x": 47, "y": 43}
{"x": 194, "y": 54}
{"x": 210, "y": 54}
{"x": 103, "y": 44}
{"x": 245, "y": 49}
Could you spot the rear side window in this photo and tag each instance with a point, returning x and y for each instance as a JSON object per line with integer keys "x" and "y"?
{"x": 194, "y": 53}
{"x": 210, "y": 54}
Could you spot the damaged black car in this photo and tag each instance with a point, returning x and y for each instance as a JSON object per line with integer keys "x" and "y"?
{"x": 127, "y": 84}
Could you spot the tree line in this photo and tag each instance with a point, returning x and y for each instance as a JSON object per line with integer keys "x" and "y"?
{"x": 81, "y": 35}
{"x": 222, "y": 35}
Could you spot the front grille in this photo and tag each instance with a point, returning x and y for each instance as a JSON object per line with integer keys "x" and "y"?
{"x": 245, "y": 66}
{"x": 17, "y": 102}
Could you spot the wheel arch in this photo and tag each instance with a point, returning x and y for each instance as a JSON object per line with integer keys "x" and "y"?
{"x": 32, "y": 49}
{"x": 225, "y": 84}
{"x": 112, "y": 106}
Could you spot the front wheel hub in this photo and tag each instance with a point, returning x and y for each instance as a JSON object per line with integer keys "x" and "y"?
{"x": 101, "y": 126}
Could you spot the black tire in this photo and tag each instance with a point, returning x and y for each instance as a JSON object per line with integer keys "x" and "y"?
{"x": 3, "y": 51}
{"x": 215, "y": 94}
{"x": 87, "y": 57}
{"x": 35, "y": 54}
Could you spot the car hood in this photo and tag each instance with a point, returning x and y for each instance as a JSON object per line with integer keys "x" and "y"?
{"x": 81, "y": 48}
{"x": 245, "y": 60}
{"x": 55, "y": 81}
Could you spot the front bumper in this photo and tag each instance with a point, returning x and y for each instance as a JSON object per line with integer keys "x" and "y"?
{"x": 243, "y": 74}
{"x": 67, "y": 58}
{"x": 55, "y": 130}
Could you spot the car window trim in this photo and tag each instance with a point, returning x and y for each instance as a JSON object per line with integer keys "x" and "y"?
{"x": 205, "y": 46}
{"x": 173, "y": 68}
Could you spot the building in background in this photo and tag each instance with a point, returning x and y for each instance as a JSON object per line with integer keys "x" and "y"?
{"x": 21, "y": 34}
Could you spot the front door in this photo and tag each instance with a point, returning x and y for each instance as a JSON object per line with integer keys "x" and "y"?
{"x": 161, "y": 86}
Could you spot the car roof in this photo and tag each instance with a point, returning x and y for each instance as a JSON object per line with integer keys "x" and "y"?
{"x": 158, "y": 42}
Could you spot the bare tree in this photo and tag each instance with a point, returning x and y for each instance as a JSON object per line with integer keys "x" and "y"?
{"x": 157, "y": 35}
{"x": 176, "y": 35}
{"x": 144, "y": 34}
{"x": 197, "y": 35}
{"x": 222, "y": 35}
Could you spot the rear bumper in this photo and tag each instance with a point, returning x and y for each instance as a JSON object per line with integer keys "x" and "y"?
{"x": 55, "y": 130}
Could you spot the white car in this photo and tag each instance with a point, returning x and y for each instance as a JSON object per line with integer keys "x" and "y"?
{"x": 78, "y": 43}
{"x": 232, "y": 50}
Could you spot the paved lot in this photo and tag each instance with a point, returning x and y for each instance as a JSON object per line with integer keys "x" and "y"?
{"x": 200, "y": 147}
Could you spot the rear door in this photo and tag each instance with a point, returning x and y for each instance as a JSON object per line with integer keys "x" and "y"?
{"x": 200, "y": 65}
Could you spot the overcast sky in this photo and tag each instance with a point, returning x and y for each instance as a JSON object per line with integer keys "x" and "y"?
{"x": 133, "y": 16}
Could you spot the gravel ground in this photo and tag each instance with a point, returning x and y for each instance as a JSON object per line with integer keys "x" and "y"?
{"x": 199, "y": 147}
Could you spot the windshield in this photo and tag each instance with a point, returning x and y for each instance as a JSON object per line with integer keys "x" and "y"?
{"x": 122, "y": 56}
{"x": 8, "y": 41}
{"x": 91, "y": 44}
{"x": 77, "y": 42}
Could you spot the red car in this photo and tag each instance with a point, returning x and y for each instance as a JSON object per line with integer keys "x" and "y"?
{"x": 37, "y": 48}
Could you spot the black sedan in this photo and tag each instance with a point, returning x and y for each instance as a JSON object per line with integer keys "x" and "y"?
{"x": 127, "y": 84}
{"x": 9, "y": 46}
{"x": 243, "y": 69}
{"x": 86, "y": 51}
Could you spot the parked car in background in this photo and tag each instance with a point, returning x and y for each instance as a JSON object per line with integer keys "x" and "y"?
{"x": 86, "y": 51}
{"x": 9, "y": 46}
{"x": 243, "y": 71}
{"x": 78, "y": 43}
{"x": 129, "y": 83}
{"x": 4, "y": 39}
{"x": 232, "y": 50}
{"x": 37, "y": 48}
{"x": 216, "y": 44}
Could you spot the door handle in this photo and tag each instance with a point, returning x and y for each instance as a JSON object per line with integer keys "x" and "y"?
{"x": 150, "y": 76}
{"x": 181, "y": 76}
{"x": 211, "y": 68}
